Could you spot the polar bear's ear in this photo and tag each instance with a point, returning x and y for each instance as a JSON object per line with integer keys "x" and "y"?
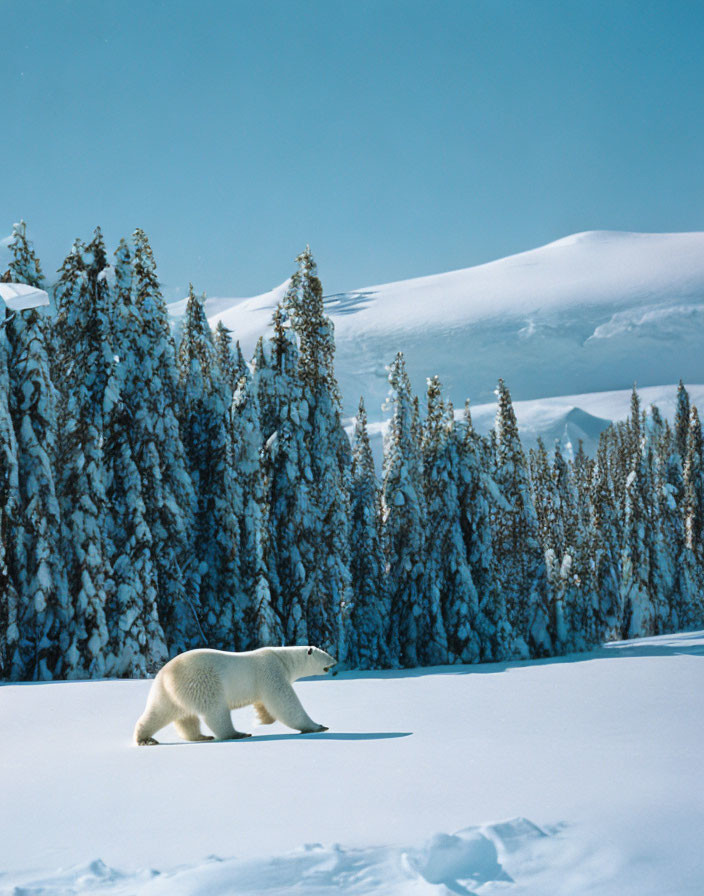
{"x": 310, "y": 650}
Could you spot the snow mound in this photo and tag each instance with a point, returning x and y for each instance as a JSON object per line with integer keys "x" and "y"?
{"x": 592, "y": 312}
{"x": 448, "y": 863}
{"x": 458, "y": 859}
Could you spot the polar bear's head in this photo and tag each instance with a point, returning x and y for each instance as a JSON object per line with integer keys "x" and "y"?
{"x": 304, "y": 661}
{"x": 318, "y": 661}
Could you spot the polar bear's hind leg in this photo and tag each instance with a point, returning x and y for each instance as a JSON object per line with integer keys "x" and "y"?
{"x": 218, "y": 719}
{"x": 189, "y": 729}
{"x": 159, "y": 712}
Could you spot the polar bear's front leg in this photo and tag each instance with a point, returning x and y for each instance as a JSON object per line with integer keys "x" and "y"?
{"x": 219, "y": 721}
{"x": 284, "y": 705}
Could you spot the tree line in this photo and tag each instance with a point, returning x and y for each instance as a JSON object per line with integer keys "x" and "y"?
{"x": 159, "y": 493}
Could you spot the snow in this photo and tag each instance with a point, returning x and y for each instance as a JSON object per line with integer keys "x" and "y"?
{"x": 577, "y": 775}
{"x": 19, "y": 296}
{"x": 567, "y": 418}
{"x": 593, "y": 312}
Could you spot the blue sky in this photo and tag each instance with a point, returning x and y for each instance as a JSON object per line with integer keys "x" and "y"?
{"x": 397, "y": 138}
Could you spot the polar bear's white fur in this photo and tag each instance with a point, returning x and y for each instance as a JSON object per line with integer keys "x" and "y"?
{"x": 208, "y": 684}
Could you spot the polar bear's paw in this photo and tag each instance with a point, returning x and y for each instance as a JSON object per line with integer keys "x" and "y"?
{"x": 316, "y": 730}
{"x": 238, "y": 735}
{"x": 147, "y": 742}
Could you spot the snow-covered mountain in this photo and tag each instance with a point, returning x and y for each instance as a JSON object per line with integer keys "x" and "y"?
{"x": 593, "y": 312}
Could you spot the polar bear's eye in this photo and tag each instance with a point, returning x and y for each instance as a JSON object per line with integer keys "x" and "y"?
{"x": 310, "y": 650}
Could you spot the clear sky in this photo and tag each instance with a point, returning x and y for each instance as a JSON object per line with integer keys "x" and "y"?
{"x": 397, "y": 138}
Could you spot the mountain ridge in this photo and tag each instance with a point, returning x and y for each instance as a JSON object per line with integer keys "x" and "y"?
{"x": 590, "y": 312}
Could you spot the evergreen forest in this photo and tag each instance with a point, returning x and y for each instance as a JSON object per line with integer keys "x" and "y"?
{"x": 161, "y": 492}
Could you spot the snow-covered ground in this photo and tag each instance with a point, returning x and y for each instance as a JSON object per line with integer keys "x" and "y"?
{"x": 593, "y": 312}
{"x": 574, "y": 776}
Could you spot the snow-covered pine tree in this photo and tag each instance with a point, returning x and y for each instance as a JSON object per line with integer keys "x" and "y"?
{"x": 449, "y": 593}
{"x": 637, "y": 574}
{"x": 24, "y": 265}
{"x": 84, "y": 365}
{"x": 225, "y": 358}
{"x": 682, "y": 421}
{"x": 206, "y": 441}
{"x": 44, "y": 606}
{"x": 520, "y": 564}
{"x": 604, "y": 541}
{"x": 667, "y": 513}
{"x": 137, "y": 643}
{"x": 266, "y": 375}
{"x": 12, "y": 659}
{"x": 574, "y": 591}
{"x": 241, "y": 366}
{"x": 367, "y": 639}
{"x": 404, "y": 520}
{"x": 693, "y": 506}
{"x": 288, "y": 472}
{"x": 329, "y": 450}
{"x": 261, "y": 627}
{"x": 477, "y": 494}
{"x": 545, "y": 499}
{"x": 617, "y": 439}
{"x": 167, "y": 489}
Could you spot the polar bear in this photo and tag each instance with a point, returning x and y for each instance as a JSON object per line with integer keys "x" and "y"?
{"x": 210, "y": 683}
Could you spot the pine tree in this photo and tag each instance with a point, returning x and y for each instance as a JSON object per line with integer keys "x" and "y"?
{"x": 261, "y": 626}
{"x": 137, "y": 642}
{"x": 205, "y": 438}
{"x": 449, "y": 580}
{"x": 521, "y": 567}
{"x": 24, "y": 265}
{"x": 478, "y": 494}
{"x": 636, "y": 562}
{"x": 448, "y": 566}
{"x": 644, "y": 573}
{"x": 304, "y": 305}
{"x": 605, "y": 547}
{"x": 546, "y": 501}
{"x": 693, "y": 507}
{"x": 167, "y": 489}
{"x": 12, "y": 661}
{"x": 329, "y": 451}
{"x": 291, "y": 552}
{"x": 369, "y": 620}
{"x": 682, "y": 421}
{"x": 404, "y": 520}
{"x": 265, "y": 377}
{"x": 85, "y": 361}
{"x": 241, "y": 366}
{"x": 575, "y": 595}
{"x": 44, "y": 607}
{"x": 225, "y": 358}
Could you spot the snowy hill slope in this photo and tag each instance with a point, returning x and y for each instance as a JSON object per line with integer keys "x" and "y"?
{"x": 592, "y": 312}
{"x": 573, "y": 776}
{"x": 568, "y": 419}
